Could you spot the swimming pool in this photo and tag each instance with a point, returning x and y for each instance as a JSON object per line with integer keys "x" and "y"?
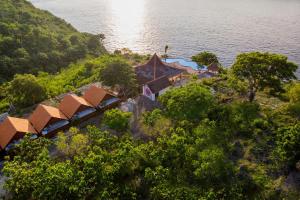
{"x": 183, "y": 62}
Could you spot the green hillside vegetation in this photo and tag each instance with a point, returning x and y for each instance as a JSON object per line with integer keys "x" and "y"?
{"x": 213, "y": 149}
{"x": 209, "y": 140}
{"x": 26, "y": 90}
{"x": 32, "y": 40}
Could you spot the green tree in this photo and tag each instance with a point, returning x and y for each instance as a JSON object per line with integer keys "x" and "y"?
{"x": 190, "y": 102}
{"x": 72, "y": 143}
{"x": 119, "y": 74}
{"x": 261, "y": 70}
{"x": 116, "y": 119}
{"x": 25, "y": 90}
{"x": 294, "y": 93}
{"x": 29, "y": 149}
{"x": 154, "y": 123}
{"x": 288, "y": 142}
{"x": 165, "y": 56}
{"x": 205, "y": 58}
{"x": 210, "y": 165}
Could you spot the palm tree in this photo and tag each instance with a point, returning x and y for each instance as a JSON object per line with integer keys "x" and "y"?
{"x": 166, "y": 50}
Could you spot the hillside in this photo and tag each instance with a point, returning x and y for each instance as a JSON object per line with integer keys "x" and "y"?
{"x": 33, "y": 40}
{"x": 206, "y": 140}
{"x": 196, "y": 147}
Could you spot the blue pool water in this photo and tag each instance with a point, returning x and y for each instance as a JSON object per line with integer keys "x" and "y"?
{"x": 183, "y": 62}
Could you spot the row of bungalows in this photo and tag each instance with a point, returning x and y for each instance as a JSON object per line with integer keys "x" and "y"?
{"x": 47, "y": 120}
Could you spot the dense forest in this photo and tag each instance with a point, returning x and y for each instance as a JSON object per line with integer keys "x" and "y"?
{"x": 32, "y": 40}
{"x": 199, "y": 145}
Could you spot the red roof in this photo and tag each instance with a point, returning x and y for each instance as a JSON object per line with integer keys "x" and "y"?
{"x": 12, "y": 126}
{"x": 42, "y": 115}
{"x": 95, "y": 95}
{"x": 71, "y": 104}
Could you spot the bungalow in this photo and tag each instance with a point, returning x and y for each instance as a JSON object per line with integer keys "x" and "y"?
{"x": 156, "y": 76}
{"x": 48, "y": 120}
{"x": 75, "y": 107}
{"x": 100, "y": 98}
{"x": 12, "y": 130}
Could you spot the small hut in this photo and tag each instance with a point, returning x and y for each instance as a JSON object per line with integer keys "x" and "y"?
{"x": 12, "y": 130}
{"x": 48, "y": 120}
{"x": 76, "y": 108}
{"x": 100, "y": 98}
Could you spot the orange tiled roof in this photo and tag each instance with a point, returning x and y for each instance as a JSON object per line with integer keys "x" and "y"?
{"x": 11, "y": 126}
{"x": 95, "y": 95}
{"x": 72, "y": 104}
{"x": 43, "y": 114}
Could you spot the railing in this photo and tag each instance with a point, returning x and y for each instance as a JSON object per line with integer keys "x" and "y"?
{"x": 108, "y": 102}
{"x": 54, "y": 126}
{"x": 84, "y": 113}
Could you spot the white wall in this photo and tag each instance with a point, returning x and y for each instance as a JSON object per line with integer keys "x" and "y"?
{"x": 148, "y": 93}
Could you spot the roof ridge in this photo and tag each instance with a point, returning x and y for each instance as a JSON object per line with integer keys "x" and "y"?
{"x": 163, "y": 76}
{"x": 45, "y": 108}
{"x": 11, "y": 123}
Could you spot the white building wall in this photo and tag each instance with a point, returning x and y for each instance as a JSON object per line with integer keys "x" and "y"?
{"x": 148, "y": 93}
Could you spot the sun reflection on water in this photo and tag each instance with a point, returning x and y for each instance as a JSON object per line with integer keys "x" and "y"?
{"x": 128, "y": 20}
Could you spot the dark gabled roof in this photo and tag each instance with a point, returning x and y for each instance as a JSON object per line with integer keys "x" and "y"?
{"x": 159, "y": 84}
{"x": 155, "y": 68}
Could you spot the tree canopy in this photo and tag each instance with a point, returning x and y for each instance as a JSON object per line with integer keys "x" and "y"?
{"x": 209, "y": 149}
{"x": 119, "y": 74}
{"x": 116, "y": 119}
{"x": 25, "y": 90}
{"x": 205, "y": 58}
{"x": 190, "y": 102}
{"x": 294, "y": 93}
{"x": 261, "y": 70}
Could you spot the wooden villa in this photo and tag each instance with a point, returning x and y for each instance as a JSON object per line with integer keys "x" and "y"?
{"x": 12, "y": 130}
{"x": 48, "y": 120}
{"x": 156, "y": 76}
{"x": 76, "y": 108}
{"x": 100, "y": 98}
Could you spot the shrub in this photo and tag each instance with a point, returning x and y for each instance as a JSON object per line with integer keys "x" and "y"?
{"x": 191, "y": 102}
{"x": 288, "y": 143}
{"x": 116, "y": 119}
